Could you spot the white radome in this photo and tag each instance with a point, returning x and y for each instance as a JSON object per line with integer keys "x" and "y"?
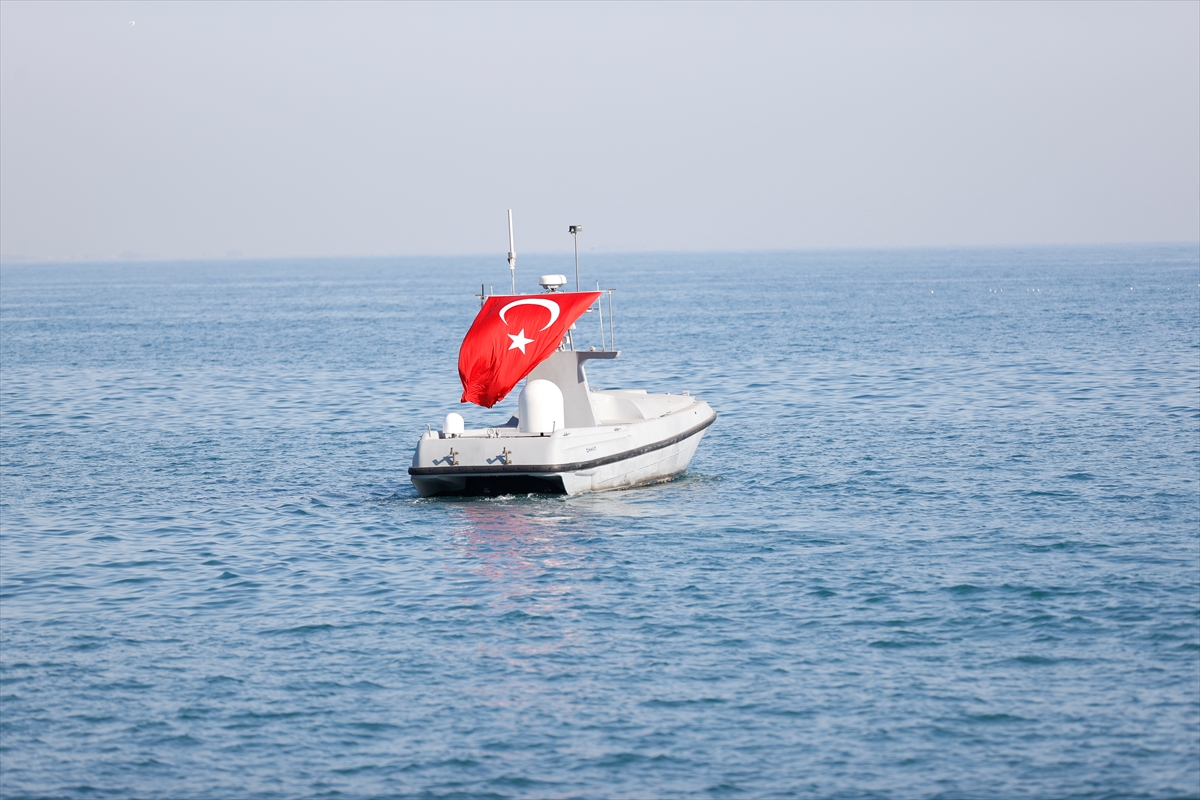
{"x": 453, "y": 425}
{"x": 540, "y": 408}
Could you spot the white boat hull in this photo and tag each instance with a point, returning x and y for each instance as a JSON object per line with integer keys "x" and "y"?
{"x": 607, "y": 440}
{"x": 616, "y": 455}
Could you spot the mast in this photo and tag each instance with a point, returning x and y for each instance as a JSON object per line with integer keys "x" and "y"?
{"x": 512, "y": 254}
{"x": 574, "y": 231}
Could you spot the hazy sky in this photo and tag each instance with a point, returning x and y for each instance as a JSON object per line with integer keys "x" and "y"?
{"x": 292, "y": 129}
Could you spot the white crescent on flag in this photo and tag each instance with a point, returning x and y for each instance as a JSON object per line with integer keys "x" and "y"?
{"x": 549, "y": 305}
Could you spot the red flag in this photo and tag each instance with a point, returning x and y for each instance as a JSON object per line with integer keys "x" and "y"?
{"x": 511, "y": 336}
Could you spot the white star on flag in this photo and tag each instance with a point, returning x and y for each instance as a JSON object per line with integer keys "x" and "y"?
{"x": 519, "y": 340}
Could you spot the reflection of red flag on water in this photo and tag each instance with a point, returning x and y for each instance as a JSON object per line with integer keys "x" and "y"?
{"x": 511, "y": 336}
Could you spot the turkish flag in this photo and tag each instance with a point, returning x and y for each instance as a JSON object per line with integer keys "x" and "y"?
{"x": 511, "y": 336}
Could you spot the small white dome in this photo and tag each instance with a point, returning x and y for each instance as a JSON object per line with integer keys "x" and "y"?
{"x": 540, "y": 408}
{"x": 552, "y": 282}
{"x": 453, "y": 424}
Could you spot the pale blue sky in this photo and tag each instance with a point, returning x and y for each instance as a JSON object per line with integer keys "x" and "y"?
{"x": 292, "y": 129}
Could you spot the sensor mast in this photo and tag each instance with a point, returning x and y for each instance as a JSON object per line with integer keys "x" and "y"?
{"x": 574, "y": 231}
{"x": 512, "y": 254}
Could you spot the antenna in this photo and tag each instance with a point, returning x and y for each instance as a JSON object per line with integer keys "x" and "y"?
{"x": 512, "y": 254}
{"x": 574, "y": 231}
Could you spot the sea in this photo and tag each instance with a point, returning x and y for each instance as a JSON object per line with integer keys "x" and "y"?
{"x": 943, "y": 540}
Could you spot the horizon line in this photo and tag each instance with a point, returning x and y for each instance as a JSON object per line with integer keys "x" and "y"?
{"x": 234, "y": 256}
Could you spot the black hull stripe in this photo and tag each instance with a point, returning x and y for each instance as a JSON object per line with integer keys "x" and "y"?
{"x": 526, "y": 469}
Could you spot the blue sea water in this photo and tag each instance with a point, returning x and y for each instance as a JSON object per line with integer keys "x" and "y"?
{"x": 943, "y": 540}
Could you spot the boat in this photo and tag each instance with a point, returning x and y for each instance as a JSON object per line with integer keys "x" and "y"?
{"x": 566, "y": 437}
